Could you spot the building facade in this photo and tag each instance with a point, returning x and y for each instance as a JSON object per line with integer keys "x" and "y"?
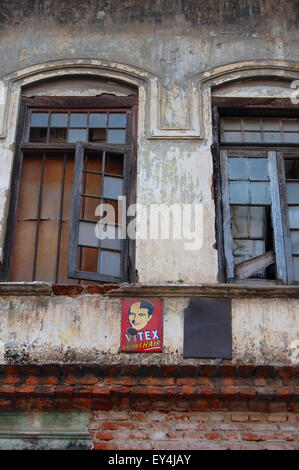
{"x": 176, "y": 106}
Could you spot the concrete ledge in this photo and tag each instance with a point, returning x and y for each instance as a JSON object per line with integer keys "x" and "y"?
{"x": 233, "y": 291}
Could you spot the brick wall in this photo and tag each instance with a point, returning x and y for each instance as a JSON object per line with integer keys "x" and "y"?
{"x": 158, "y": 430}
{"x": 165, "y": 407}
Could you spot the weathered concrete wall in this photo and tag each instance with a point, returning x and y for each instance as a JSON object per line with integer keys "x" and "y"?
{"x": 87, "y": 329}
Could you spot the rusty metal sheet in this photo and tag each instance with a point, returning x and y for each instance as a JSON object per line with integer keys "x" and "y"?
{"x": 207, "y": 328}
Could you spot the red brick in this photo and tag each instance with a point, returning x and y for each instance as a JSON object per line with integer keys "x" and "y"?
{"x": 286, "y": 371}
{"x": 88, "y": 380}
{"x": 227, "y": 370}
{"x": 12, "y": 369}
{"x": 44, "y": 390}
{"x": 101, "y": 405}
{"x": 277, "y": 406}
{"x": 7, "y": 390}
{"x": 99, "y": 391}
{"x": 64, "y": 404}
{"x": 188, "y": 370}
{"x": 200, "y": 405}
{"x": 60, "y": 289}
{"x": 116, "y": 425}
{"x": 110, "y": 370}
{"x": 82, "y": 392}
{"x": 264, "y": 371}
{"x": 50, "y": 380}
{"x": 121, "y": 404}
{"x": 247, "y": 392}
{"x": 42, "y": 404}
{"x": 218, "y": 405}
{"x": 258, "y": 405}
{"x": 130, "y": 370}
{"x": 51, "y": 370}
{"x": 104, "y": 446}
{"x": 246, "y": 370}
{"x": 126, "y": 381}
{"x": 293, "y": 407}
{"x": 283, "y": 393}
{"x": 12, "y": 379}
{"x": 239, "y": 417}
{"x": 23, "y": 404}
{"x": 142, "y": 405}
{"x": 70, "y": 370}
{"x": 169, "y": 370}
{"x": 212, "y": 436}
{"x": 64, "y": 391}
{"x": 186, "y": 381}
{"x": 161, "y": 405}
{"x": 248, "y": 436}
{"x": 82, "y": 403}
{"x": 207, "y": 392}
{"x": 208, "y": 370}
{"x": 108, "y": 287}
{"x": 229, "y": 392}
{"x": 32, "y": 380}
{"x": 238, "y": 405}
{"x": 32, "y": 370}
{"x": 104, "y": 436}
{"x": 6, "y": 404}
{"x": 95, "y": 289}
{"x": 27, "y": 390}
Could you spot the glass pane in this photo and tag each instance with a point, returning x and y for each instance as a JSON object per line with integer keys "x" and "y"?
{"x": 237, "y": 169}
{"x": 252, "y": 137}
{"x": 78, "y": 120}
{"x": 290, "y": 124}
{"x": 260, "y": 193}
{"x": 38, "y": 134}
{"x": 271, "y": 124}
{"x": 293, "y": 193}
{"x": 248, "y": 222}
{"x": 231, "y": 124}
{"x": 295, "y": 242}
{"x": 110, "y": 263}
{"x": 291, "y": 169}
{"x": 113, "y": 187}
{"x": 58, "y": 120}
{"x": 258, "y": 168}
{"x": 116, "y": 137}
{"x": 57, "y": 134}
{"x": 272, "y": 137}
{"x": 239, "y": 192}
{"x": 77, "y": 134}
{"x": 291, "y": 138}
{"x": 247, "y": 249}
{"x": 294, "y": 217}
{"x": 117, "y": 120}
{"x": 112, "y": 241}
{"x": 97, "y": 135}
{"x": 87, "y": 259}
{"x": 87, "y": 235}
{"x": 296, "y": 268}
{"x": 97, "y": 119}
{"x": 251, "y": 124}
{"x": 39, "y": 119}
{"x": 230, "y": 137}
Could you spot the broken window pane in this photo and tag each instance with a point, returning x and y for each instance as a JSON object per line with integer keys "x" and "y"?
{"x": 38, "y": 134}
{"x": 87, "y": 259}
{"x": 97, "y": 135}
{"x": 247, "y": 249}
{"x": 57, "y": 134}
{"x": 291, "y": 169}
{"x": 248, "y": 222}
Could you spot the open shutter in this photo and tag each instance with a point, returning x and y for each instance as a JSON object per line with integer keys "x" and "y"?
{"x": 99, "y": 182}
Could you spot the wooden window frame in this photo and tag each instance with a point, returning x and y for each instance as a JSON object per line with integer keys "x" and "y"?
{"x": 105, "y": 103}
{"x": 252, "y": 107}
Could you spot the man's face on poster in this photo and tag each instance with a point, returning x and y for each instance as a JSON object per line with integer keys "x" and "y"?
{"x": 139, "y": 315}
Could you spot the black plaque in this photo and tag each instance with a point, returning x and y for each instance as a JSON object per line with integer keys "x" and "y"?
{"x": 207, "y": 328}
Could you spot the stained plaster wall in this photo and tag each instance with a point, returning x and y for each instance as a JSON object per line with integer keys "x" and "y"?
{"x": 87, "y": 329}
{"x": 174, "y": 53}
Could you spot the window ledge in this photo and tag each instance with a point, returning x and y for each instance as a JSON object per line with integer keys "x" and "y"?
{"x": 150, "y": 291}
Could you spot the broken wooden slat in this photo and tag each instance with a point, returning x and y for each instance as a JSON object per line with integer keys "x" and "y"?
{"x": 248, "y": 268}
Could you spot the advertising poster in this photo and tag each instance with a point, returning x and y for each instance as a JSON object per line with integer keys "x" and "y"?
{"x": 142, "y": 325}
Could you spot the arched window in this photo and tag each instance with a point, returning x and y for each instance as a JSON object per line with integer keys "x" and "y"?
{"x": 75, "y": 156}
